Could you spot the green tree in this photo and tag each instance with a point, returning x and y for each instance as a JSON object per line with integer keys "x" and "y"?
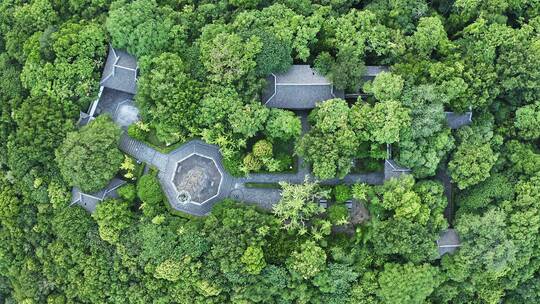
{"x": 253, "y": 258}
{"x": 89, "y": 158}
{"x": 346, "y": 72}
{"x": 407, "y": 283}
{"x": 263, "y": 149}
{"x": 65, "y": 64}
{"x": 249, "y": 119}
{"x": 149, "y": 191}
{"x": 169, "y": 97}
{"x": 385, "y": 86}
{"x": 245, "y": 3}
{"x": 143, "y": 27}
{"x": 527, "y": 121}
{"x": 113, "y": 217}
{"x": 283, "y": 125}
{"x": 398, "y": 195}
{"x": 335, "y": 282}
{"x": 331, "y": 143}
{"x": 519, "y": 57}
{"x": 474, "y": 157}
{"x": 308, "y": 261}
{"x": 382, "y": 122}
{"x": 227, "y": 57}
{"x": 493, "y": 190}
{"x": 23, "y": 20}
{"x": 227, "y": 122}
{"x": 169, "y": 270}
{"x": 342, "y": 193}
{"x": 523, "y": 157}
{"x": 399, "y": 14}
{"x": 128, "y": 192}
{"x": 471, "y": 164}
{"x": 486, "y": 255}
{"x": 429, "y": 36}
{"x": 275, "y": 55}
{"x": 298, "y": 205}
{"x": 428, "y": 140}
{"x": 10, "y": 97}
{"x": 338, "y": 214}
{"x": 31, "y": 147}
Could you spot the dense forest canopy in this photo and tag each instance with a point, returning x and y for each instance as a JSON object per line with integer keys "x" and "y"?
{"x": 202, "y": 67}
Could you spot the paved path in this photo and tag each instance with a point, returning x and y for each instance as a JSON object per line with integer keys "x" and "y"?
{"x": 142, "y": 152}
{"x": 444, "y": 178}
{"x": 230, "y": 187}
{"x": 304, "y": 173}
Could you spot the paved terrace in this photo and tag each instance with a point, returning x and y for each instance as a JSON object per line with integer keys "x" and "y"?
{"x": 229, "y": 187}
{"x": 191, "y": 198}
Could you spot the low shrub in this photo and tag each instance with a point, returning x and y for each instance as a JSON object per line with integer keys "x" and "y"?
{"x": 342, "y": 193}
{"x": 128, "y": 192}
{"x": 338, "y": 214}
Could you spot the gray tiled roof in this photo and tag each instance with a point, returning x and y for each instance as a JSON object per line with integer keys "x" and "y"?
{"x": 120, "y": 71}
{"x": 110, "y": 99}
{"x": 448, "y": 241}
{"x": 374, "y": 70}
{"x": 89, "y": 201}
{"x": 457, "y": 120}
{"x": 301, "y": 87}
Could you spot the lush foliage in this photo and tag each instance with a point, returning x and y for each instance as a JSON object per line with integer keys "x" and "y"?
{"x": 203, "y": 66}
{"x": 89, "y": 158}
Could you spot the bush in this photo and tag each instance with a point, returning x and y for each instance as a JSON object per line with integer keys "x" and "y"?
{"x": 233, "y": 165}
{"x": 263, "y": 149}
{"x": 283, "y": 125}
{"x": 286, "y": 161}
{"x": 149, "y": 190}
{"x": 252, "y": 163}
{"x": 342, "y": 193}
{"x": 128, "y": 192}
{"x": 136, "y": 132}
{"x": 337, "y": 213}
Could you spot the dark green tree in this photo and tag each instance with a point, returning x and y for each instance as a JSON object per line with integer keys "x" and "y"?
{"x": 89, "y": 158}
{"x": 331, "y": 143}
{"x": 169, "y": 98}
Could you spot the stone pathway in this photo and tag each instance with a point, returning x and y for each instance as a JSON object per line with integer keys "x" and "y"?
{"x": 444, "y": 178}
{"x": 230, "y": 187}
{"x": 142, "y": 152}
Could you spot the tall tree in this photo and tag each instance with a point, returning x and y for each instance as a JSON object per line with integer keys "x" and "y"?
{"x": 112, "y": 217}
{"x": 331, "y": 143}
{"x": 143, "y": 27}
{"x": 382, "y": 123}
{"x": 89, "y": 158}
{"x": 298, "y": 205}
{"x": 428, "y": 140}
{"x": 527, "y": 121}
{"x": 169, "y": 98}
{"x": 408, "y": 283}
{"x": 283, "y": 125}
{"x": 308, "y": 261}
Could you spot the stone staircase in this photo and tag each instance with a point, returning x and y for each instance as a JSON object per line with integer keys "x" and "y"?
{"x": 142, "y": 152}
{"x": 131, "y": 146}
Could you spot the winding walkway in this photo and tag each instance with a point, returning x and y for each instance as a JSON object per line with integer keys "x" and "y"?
{"x": 231, "y": 187}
